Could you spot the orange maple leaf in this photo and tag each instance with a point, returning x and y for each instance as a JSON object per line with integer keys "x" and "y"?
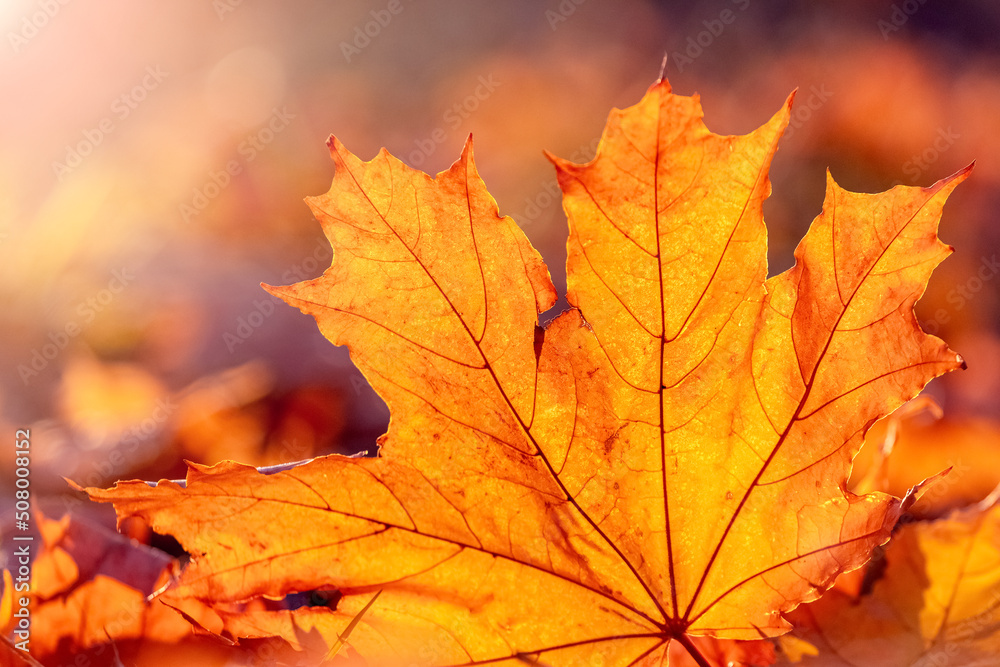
{"x": 89, "y": 605}
{"x": 665, "y": 460}
{"x": 88, "y": 592}
{"x": 938, "y": 602}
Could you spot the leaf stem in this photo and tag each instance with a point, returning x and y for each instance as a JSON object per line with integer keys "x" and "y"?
{"x": 693, "y": 650}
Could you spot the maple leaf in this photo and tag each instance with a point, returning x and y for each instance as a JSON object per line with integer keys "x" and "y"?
{"x": 665, "y": 460}
{"x": 89, "y": 587}
{"x": 89, "y": 605}
{"x": 937, "y": 603}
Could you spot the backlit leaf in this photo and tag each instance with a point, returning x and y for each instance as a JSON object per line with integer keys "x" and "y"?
{"x": 665, "y": 460}
{"x": 938, "y": 602}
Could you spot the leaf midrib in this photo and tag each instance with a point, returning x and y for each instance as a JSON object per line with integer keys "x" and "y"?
{"x": 524, "y": 427}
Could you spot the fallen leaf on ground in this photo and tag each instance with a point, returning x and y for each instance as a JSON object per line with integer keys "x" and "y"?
{"x": 89, "y": 589}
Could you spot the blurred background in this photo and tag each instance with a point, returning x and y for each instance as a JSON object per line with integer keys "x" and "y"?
{"x": 155, "y": 157}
